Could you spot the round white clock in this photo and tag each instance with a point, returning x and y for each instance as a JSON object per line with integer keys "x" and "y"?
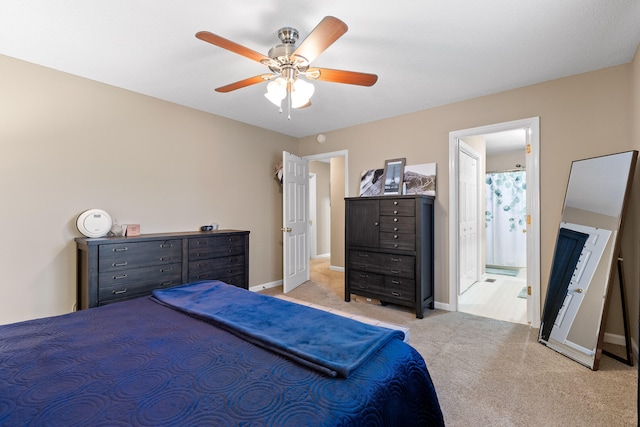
{"x": 94, "y": 223}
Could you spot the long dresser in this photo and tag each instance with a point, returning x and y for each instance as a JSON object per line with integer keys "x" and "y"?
{"x": 389, "y": 250}
{"x": 112, "y": 269}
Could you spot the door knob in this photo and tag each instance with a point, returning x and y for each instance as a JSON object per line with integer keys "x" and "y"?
{"x": 285, "y": 229}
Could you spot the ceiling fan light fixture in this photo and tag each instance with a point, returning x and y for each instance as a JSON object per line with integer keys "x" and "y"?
{"x": 301, "y": 93}
{"x": 276, "y": 91}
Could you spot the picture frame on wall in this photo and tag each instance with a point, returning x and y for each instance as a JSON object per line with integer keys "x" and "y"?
{"x": 393, "y": 176}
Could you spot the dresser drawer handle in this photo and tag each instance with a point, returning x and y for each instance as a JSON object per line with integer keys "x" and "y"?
{"x": 362, "y": 286}
{"x": 361, "y": 255}
{"x": 395, "y": 245}
{"x": 201, "y": 242}
{"x": 119, "y": 264}
{"x": 395, "y": 271}
{"x": 170, "y": 282}
{"x": 119, "y": 292}
{"x": 168, "y": 258}
{"x": 119, "y": 277}
{"x": 165, "y": 245}
{"x": 395, "y": 202}
{"x": 166, "y": 270}
{"x": 395, "y": 212}
{"x": 203, "y": 276}
{"x": 395, "y": 219}
{"x": 120, "y": 249}
{"x": 395, "y": 282}
{"x": 395, "y": 228}
{"x": 395, "y": 294}
{"x": 395, "y": 236}
{"x": 396, "y": 259}
{"x": 363, "y": 276}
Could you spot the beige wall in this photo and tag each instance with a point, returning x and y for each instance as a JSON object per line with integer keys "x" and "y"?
{"x": 580, "y": 116}
{"x": 337, "y": 211}
{"x": 70, "y": 144}
{"x": 323, "y": 206}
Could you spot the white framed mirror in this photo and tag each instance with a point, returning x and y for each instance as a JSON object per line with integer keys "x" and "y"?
{"x": 586, "y": 256}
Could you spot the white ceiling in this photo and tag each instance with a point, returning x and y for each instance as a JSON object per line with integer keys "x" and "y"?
{"x": 426, "y": 52}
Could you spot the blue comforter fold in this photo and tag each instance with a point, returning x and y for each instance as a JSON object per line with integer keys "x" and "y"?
{"x": 324, "y": 341}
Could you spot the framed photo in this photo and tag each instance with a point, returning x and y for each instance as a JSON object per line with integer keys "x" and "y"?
{"x": 393, "y": 176}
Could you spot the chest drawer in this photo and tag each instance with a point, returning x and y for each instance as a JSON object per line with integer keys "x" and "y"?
{"x": 400, "y": 288}
{"x": 216, "y": 268}
{"x": 400, "y": 207}
{"x": 122, "y": 256}
{"x": 366, "y": 281}
{"x": 217, "y": 246}
{"x": 401, "y": 241}
{"x": 382, "y": 263}
{"x": 137, "y": 281}
{"x": 398, "y": 224}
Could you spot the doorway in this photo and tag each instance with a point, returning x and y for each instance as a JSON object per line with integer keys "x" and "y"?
{"x": 528, "y": 277}
{"x": 331, "y": 187}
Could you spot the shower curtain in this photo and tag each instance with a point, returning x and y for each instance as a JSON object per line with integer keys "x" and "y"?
{"x": 505, "y": 219}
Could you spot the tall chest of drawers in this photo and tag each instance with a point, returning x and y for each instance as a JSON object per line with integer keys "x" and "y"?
{"x": 389, "y": 250}
{"x": 112, "y": 269}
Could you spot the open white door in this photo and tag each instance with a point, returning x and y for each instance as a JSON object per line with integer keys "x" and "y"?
{"x": 468, "y": 217}
{"x": 295, "y": 221}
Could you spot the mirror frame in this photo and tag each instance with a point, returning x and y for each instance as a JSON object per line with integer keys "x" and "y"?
{"x": 615, "y": 255}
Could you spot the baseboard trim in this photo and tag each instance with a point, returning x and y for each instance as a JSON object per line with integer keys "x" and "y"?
{"x": 334, "y": 268}
{"x": 262, "y": 287}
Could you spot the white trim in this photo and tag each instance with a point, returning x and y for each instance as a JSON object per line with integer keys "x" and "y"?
{"x": 341, "y": 153}
{"x": 269, "y": 285}
{"x": 336, "y": 268}
{"x": 533, "y": 209}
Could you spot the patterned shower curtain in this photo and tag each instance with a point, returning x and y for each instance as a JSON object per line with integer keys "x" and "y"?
{"x": 505, "y": 219}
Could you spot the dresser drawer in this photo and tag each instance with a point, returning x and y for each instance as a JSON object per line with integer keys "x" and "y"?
{"x": 400, "y": 241}
{"x": 122, "y": 256}
{"x": 400, "y": 288}
{"x": 137, "y": 281}
{"x": 400, "y": 207}
{"x": 383, "y": 263}
{"x": 398, "y": 224}
{"x": 217, "y": 246}
{"x": 216, "y": 268}
{"x": 366, "y": 282}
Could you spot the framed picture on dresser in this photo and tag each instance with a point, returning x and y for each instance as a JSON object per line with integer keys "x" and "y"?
{"x": 393, "y": 176}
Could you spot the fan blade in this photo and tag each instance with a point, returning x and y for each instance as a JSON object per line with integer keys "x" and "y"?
{"x": 320, "y": 38}
{"x": 232, "y": 46}
{"x": 246, "y": 82}
{"x": 341, "y": 76}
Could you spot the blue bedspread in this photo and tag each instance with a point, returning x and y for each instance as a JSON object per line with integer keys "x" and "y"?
{"x": 318, "y": 339}
{"x": 139, "y": 363}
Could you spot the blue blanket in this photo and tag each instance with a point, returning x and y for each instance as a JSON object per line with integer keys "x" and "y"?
{"x": 330, "y": 343}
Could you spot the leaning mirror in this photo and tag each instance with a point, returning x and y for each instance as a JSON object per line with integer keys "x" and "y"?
{"x": 586, "y": 256}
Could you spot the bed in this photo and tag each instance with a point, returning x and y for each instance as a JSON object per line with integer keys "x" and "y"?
{"x": 210, "y": 354}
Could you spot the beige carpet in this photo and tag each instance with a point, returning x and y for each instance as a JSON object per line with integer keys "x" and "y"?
{"x": 494, "y": 373}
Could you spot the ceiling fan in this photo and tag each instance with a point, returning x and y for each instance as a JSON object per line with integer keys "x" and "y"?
{"x": 288, "y": 62}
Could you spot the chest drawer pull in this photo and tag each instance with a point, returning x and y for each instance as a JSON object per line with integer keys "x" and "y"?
{"x": 120, "y": 249}
{"x": 395, "y": 282}
{"x": 395, "y": 212}
{"x": 395, "y": 294}
{"x": 395, "y": 219}
{"x": 120, "y": 291}
{"x": 361, "y": 255}
{"x": 170, "y": 282}
{"x": 165, "y": 245}
{"x": 166, "y": 258}
{"x": 165, "y": 270}
{"x": 395, "y": 271}
{"x": 119, "y": 264}
{"x": 119, "y": 277}
{"x": 395, "y": 236}
{"x": 396, "y": 259}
